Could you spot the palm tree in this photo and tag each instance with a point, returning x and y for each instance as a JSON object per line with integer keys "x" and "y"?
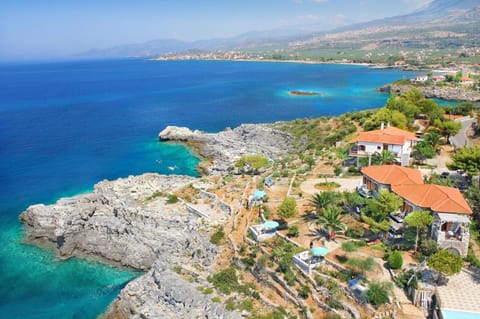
{"x": 331, "y": 220}
{"x": 432, "y": 137}
{"x": 323, "y": 199}
{"x": 385, "y": 157}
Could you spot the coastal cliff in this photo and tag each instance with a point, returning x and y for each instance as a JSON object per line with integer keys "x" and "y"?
{"x": 130, "y": 222}
{"x": 223, "y": 149}
{"x": 435, "y": 92}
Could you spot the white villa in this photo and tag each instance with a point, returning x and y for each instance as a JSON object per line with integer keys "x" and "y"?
{"x": 393, "y": 139}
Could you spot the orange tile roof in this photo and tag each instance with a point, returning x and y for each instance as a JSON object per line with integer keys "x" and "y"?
{"x": 438, "y": 198}
{"x": 389, "y": 135}
{"x": 393, "y": 174}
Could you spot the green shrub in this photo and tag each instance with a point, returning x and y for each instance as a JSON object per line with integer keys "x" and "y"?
{"x": 230, "y": 305}
{"x": 319, "y": 280}
{"x": 290, "y": 278}
{"x": 284, "y": 264}
{"x": 293, "y": 231}
{"x": 337, "y": 170}
{"x": 472, "y": 259}
{"x": 355, "y": 231}
{"x": 304, "y": 291}
{"x": 249, "y": 261}
{"x": 246, "y": 305}
{"x": 361, "y": 265}
{"x": 216, "y": 299}
{"x": 395, "y": 260}
{"x": 377, "y": 294}
{"x": 334, "y": 303}
{"x": 225, "y": 281}
{"x": 351, "y": 246}
{"x": 208, "y": 291}
{"x": 428, "y": 246}
{"x": 155, "y": 195}
{"x": 256, "y": 161}
{"x": 172, "y": 199}
{"x": 353, "y": 170}
{"x": 288, "y": 208}
{"x": 407, "y": 278}
{"x": 217, "y": 236}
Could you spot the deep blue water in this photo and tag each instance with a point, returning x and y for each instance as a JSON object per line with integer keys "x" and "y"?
{"x": 65, "y": 126}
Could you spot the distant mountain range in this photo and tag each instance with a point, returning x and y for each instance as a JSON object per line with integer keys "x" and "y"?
{"x": 452, "y": 23}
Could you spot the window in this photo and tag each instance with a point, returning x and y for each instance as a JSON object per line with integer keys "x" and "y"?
{"x": 379, "y": 148}
{"x": 361, "y": 148}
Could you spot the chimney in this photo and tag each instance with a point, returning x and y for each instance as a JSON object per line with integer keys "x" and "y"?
{"x": 382, "y": 126}
{"x": 388, "y": 124}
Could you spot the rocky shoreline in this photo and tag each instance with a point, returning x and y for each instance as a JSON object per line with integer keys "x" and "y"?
{"x": 221, "y": 150}
{"x": 435, "y": 92}
{"x": 129, "y": 222}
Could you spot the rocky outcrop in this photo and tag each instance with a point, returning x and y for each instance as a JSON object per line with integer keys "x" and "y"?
{"x": 436, "y": 92}
{"x": 162, "y": 293}
{"x": 129, "y": 222}
{"x": 226, "y": 147}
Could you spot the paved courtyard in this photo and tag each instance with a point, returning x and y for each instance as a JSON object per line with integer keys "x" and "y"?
{"x": 462, "y": 292}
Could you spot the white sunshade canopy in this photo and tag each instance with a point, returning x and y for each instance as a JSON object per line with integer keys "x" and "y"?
{"x": 454, "y": 218}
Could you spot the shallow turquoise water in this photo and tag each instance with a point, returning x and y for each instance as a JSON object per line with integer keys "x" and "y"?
{"x": 36, "y": 285}
{"x": 65, "y": 126}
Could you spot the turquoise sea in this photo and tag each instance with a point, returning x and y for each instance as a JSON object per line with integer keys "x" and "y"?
{"x": 65, "y": 126}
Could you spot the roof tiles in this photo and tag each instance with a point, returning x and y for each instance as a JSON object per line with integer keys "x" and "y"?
{"x": 438, "y": 198}
{"x": 389, "y": 135}
{"x": 393, "y": 174}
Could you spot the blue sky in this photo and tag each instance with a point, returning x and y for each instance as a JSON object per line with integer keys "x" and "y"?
{"x": 59, "y": 28}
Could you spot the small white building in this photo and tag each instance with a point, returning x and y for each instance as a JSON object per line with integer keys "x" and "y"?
{"x": 421, "y": 78}
{"x": 309, "y": 259}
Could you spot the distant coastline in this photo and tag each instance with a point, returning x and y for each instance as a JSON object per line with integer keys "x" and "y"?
{"x": 211, "y": 57}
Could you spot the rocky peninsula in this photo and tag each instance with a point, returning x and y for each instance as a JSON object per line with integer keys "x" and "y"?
{"x": 221, "y": 150}
{"x": 129, "y": 222}
{"x": 435, "y": 92}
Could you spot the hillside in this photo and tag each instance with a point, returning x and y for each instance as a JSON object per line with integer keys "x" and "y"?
{"x": 435, "y": 32}
{"x": 444, "y": 25}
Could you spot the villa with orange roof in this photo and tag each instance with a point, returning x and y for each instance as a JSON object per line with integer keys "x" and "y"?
{"x": 450, "y": 210}
{"x": 450, "y": 228}
{"x": 395, "y": 140}
{"x": 384, "y": 176}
